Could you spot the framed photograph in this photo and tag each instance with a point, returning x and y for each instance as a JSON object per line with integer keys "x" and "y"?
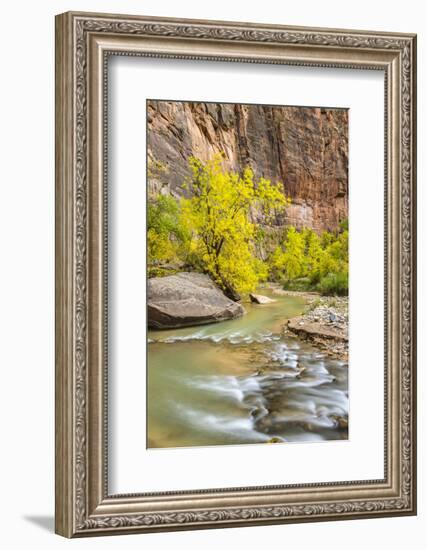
{"x": 235, "y": 274}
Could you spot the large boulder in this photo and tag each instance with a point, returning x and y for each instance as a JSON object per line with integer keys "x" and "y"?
{"x": 187, "y": 299}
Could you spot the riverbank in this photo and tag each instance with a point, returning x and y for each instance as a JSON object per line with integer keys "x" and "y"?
{"x": 324, "y": 324}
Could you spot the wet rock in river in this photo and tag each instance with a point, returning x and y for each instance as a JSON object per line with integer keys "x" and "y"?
{"x": 340, "y": 421}
{"x": 187, "y": 299}
{"x": 259, "y": 299}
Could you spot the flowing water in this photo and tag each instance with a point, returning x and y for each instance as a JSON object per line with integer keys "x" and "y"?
{"x": 242, "y": 381}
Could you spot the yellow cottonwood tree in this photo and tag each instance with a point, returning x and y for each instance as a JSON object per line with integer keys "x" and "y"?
{"x": 218, "y": 218}
{"x": 292, "y": 260}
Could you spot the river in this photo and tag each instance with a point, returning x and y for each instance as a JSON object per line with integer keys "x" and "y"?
{"x": 242, "y": 381}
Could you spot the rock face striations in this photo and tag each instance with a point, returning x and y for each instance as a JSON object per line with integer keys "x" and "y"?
{"x": 304, "y": 148}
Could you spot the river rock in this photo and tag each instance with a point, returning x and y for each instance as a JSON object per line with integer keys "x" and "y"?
{"x": 326, "y": 326}
{"x": 259, "y": 299}
{"x": 187, "y": 299}
{"x": 340, "y": 421}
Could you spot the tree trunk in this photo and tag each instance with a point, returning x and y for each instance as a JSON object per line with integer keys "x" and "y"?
{"x": 230, "y": 292}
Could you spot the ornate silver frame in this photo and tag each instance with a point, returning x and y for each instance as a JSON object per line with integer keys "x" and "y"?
{"x": 83, "y": 43}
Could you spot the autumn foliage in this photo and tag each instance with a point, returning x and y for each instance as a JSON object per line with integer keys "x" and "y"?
{"x": 216, "y": 230}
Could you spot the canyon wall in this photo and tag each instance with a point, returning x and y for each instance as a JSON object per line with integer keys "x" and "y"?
{"x": 303, "y": 148}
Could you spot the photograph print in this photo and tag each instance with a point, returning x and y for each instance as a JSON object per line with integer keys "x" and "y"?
{"x": 247, "y": 274}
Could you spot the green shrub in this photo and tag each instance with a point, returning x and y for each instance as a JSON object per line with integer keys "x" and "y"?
{"x": 304, "y": 260}
{"x": 334, "y": 283}
{"x": 160, "y": 271}
{"x": 167, "y": 238}
{"x": 302, "y": 284}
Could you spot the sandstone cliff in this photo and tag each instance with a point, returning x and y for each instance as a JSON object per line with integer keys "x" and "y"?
{"x": 304, "y": 148}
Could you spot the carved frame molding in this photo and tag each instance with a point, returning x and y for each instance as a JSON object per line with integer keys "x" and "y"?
{"x": 83, "y": 43}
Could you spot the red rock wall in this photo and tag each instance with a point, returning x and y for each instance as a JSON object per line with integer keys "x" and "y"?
{"x": 305, "y": 148}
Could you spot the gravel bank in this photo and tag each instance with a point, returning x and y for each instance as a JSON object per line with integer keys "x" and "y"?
{"x": 325, "y": 324}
